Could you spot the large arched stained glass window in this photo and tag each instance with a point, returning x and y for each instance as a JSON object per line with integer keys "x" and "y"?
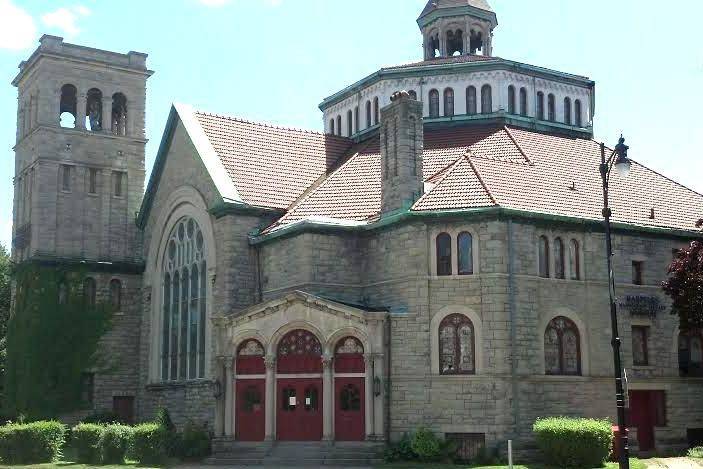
{"x": 456, "y": 345}
{"x": 434, "y": 103}
{"x": 562, "y": 348}
{"x": 184, "y": 282}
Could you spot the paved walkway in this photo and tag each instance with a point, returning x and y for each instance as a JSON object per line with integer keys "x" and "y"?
{"x": 673, "y": 463}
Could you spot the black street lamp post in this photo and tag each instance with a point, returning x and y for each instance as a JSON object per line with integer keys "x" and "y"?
{"x": 618, "y": 159}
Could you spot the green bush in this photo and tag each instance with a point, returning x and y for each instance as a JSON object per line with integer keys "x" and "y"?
{"x": 573, "y": 442}
{"x": 114, "y": 442}
{"x": 426, "y": 445}
{"x": 148, "y": 443}
{"x": 31, "y": 443}
{"x": 173, "y": 438}
{"x": 85, "y": 440}
{"x": 103, "y": 417}
{"x": 696, "y": 452}
{"x": 194, "y": 442}
{"x": 400, "y": 451}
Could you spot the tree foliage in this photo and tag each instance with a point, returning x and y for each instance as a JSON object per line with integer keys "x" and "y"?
{"x": 5, "y": 301}
{"x": 51, "y": 343}
{"x": 685, "y": 285}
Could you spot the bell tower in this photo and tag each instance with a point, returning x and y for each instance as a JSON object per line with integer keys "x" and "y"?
{"x": 79, "y": 155}
{"x": 457, "y": 27}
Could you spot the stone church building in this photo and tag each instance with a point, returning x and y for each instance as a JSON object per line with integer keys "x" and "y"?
{"x": 435, "y": 257}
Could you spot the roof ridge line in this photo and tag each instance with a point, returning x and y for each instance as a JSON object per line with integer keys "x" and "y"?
{"x": 514, "y": 140}
{"x": 266, "y": 124}
{"x": 449, "y": 169}
{"x": 480, "y": 179}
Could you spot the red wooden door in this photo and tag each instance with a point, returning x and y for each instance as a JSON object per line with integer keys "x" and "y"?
{"x": 299, "y": 409}
{"x": 349, "y": 409}
{"x": 647, "y": 410}
{"x": 250, "y": 413}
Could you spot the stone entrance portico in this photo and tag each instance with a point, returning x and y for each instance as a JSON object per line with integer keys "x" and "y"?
{"x": 326, "y": 321}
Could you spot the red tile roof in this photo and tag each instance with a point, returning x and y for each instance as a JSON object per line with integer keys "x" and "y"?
{"x": 469, "y": 167}
{"x": 271, "y": 166}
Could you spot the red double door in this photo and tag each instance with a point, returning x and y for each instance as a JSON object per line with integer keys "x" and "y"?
{"x": 250, "y": 413}
{"x": 349, "y": 409}
{"x": 299, "y": 409}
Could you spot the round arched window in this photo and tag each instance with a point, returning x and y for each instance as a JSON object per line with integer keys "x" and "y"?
{"x": 183, "y": 303}
{"x": 299, "y": 351}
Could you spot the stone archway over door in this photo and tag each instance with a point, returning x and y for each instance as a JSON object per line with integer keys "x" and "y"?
{"x": 349, "y": 390}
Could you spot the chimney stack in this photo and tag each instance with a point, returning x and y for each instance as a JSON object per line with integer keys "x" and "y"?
{"x": 401, "y": 153}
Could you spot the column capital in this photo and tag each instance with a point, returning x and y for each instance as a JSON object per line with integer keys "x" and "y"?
{"x": 326, "y": 361}
{"x": 225, "y": 360}
{"x": 369, "y": 357}
{"x": 270, "y": 362}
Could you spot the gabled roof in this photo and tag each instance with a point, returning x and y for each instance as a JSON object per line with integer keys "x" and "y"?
{"x": 251, "y": 164}
{"x": 472, "y": 167}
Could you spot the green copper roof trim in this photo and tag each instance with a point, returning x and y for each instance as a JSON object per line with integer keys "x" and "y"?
{"x": 438, "y": 13}
{"x": 120, "y": 267}
{"x": 482, "y": 212}
{"x": 224, "y": 208}
{"x": 495, "y": 63}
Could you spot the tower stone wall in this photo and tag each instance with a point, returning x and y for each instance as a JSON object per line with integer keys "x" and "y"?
{"x": 79, "y": 182}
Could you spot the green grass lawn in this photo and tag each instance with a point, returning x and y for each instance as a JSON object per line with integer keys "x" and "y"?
{"x": 73, "y": 465}
{"x": 634, "y": 464}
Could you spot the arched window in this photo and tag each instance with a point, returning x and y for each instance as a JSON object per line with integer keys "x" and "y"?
{"x": 350, "y": 123}
{"x": 577, "y": 114}
{"x": 444, "y": 254}
{"x": 339, "y": 125}
{"x": 540, "y": 106}
{"x": 559, "y": 267}
{"x": 119, "y": 114}
{"x": 357, "y": 124}
{"x": 413, "y": 94}
{"x": 115, "y": 294}
{"x": 349, "y": 356}
{"x": 332, "y": 126}
{"x": 448, "y": 102}
{"x": 89, "y": 291}
{"x": 375, "y": 111}
{"x": 486, "y": 99}
{"x": 68, "y": 106}
{"x": 464, "y": 244}
{"x": 455, "y": 43}
{"x": 551, "y": 108}
{"x": 471, "y": 100}
{"x": 250, "y": 358}
{"x": 457, "y": 348}
{"x": 94, "y": 110}
{"x": 368, "y": 114}
{"x": 434, "y": 103}
{"x": 543, "y": 248}
{"x": 299, "y": 351}
{"x": 511, "y": 99}
{"x": 691, "y": 353}
{"x": 184, "y": 290}
{"x": 523, "y": 101}
{"x": 574, "y": 260}
{"x": 562, "y": 348}
{"x": 567, "y": 111}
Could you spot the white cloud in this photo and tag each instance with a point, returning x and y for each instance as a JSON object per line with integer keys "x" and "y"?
{"x": 17, "y": 28}
{"x": 65, "y": 19}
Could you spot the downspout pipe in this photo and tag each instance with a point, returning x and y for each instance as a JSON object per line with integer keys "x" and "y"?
{"x": 512, "y": 312}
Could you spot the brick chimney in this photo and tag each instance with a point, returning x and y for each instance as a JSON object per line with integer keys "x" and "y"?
{"x": 401, "y": 152}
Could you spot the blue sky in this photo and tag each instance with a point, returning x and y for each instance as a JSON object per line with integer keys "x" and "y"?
{"x": 274, "y": 60}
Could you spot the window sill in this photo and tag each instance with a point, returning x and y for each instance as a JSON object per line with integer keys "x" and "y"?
{"x": 644, "y": 367}
{"x": 92, "y": 194}
{"x": 160, "y": 385}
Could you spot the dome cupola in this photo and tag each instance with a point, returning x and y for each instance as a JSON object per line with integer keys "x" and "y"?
{"x": 457, "y": 27}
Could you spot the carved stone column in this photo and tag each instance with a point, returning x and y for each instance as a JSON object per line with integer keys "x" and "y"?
{"x": 107, "y": 115}
{"x": 379, "y": 401}
{"x": 368, "y": 392}
{"x": 270, "y": 398}
{"x": 230, "y": 395}
{"x": 327, "y": 399}
{"x": 81, "y": 105}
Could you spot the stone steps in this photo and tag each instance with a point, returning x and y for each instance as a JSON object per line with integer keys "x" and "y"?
{"x": 229, "y": 452}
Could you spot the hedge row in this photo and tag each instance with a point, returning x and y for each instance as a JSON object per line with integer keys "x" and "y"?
{"x": 101, "y": 444}
{"x": 573, "y": 442}
{"x": 31, "y": 443}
